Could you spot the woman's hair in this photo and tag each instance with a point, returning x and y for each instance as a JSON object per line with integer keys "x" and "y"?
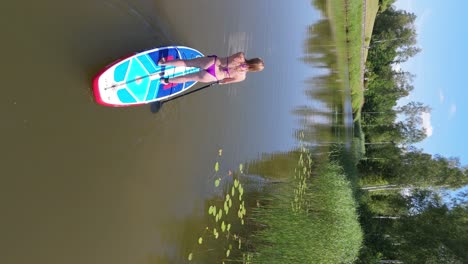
{"x": 255, "y": 64}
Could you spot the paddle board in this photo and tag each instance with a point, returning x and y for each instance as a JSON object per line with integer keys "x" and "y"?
{"x": 136, "y": 79}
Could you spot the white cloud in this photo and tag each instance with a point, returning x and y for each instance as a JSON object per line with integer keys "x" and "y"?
{"x": 396, "y": 67}
{"x": 421, "y": 19}
{"x": 426, "y": 118}
{"x": 404, "y": 4}
{"x": 441, "y": 96}
{"x": 453, "y": 110}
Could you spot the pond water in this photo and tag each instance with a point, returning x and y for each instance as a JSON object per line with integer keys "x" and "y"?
{"x": 82, "y": 183}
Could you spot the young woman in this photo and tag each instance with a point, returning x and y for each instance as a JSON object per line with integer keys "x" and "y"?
{"x": 224, "y": 70}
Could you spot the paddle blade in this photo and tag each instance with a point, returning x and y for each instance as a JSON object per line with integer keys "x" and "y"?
{"x": 156, "y": 106}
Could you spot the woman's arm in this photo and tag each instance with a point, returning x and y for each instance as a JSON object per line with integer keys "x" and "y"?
{"x": 231, "y": 80}
{"x": 239, "y": 56}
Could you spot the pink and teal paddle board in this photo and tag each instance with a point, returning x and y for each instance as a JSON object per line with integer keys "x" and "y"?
{"x": 136, "y": 79}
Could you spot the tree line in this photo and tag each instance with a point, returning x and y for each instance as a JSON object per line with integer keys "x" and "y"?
{"x": 403, "y": 213}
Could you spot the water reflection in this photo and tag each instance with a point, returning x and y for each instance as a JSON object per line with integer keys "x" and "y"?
{"x": 326, "y": 122}
{"x": 87, "y": 184}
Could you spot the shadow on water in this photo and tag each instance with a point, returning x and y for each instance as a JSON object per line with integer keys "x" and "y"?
{"x": 104, "y": 35}
{"x": 156, "y": 106}
{"x": 328, "y": 91}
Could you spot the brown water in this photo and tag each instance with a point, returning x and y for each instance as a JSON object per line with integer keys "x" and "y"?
{"x": 82, "y": 183}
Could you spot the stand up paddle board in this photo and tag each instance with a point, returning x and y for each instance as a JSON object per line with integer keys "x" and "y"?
{"x": 136, "y": 79}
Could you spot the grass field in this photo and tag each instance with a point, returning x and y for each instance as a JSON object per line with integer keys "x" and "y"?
{"x": 347, "y": 18}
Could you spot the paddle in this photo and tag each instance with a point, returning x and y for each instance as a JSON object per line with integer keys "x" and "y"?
{"x": 156, "y": 106}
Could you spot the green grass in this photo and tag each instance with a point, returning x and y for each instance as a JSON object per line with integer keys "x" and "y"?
{"x": 347, "y": 18}
{"x": 311, "y": 219}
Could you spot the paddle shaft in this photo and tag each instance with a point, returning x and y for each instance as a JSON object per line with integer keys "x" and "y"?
{"x": 156, "y": 106}
{"x": 193, "y": 91}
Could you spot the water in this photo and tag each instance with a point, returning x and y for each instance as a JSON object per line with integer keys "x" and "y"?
{"x": 82, "y": 183}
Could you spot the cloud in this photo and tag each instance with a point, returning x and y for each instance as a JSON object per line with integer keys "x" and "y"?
{"x": 441, "y": 96}
{"x": 404, "y": 4}
{"x": 453, "y": 110}
{"x": 426, "y": 124}
{"x": 396, "y": 67}
{"x": 422, "y": 19}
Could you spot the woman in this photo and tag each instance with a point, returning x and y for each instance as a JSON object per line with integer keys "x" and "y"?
{"x": 223, "y": 70}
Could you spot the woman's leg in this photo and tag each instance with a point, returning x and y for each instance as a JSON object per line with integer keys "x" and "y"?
{"x": 201, "y": 76}
{"x": 201, "y": 62}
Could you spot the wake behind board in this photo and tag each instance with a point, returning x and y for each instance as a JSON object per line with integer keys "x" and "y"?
{"x": 136, "y": 79}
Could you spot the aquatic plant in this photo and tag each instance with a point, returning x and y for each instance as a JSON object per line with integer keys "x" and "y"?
{"x": 301, "y": 175}
{"x": 311, "y": 219}
{"x": 225, "y": 216}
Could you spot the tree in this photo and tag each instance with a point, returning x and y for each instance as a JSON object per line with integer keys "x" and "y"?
{"x": 410, "y": 167}
{"x": 433, "y": 233}
{"x": 415, "y": 227}
{"x": 394, "y": 32}
{"x": 384, "y": 4}
{"x": 403, "y": 81}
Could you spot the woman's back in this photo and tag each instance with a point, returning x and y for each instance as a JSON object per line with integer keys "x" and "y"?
{"x": 230, "y": 67}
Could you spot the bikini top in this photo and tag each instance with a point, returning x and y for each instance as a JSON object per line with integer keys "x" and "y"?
{"x": 211, "y": 69}
{"x": 226, "y": 69}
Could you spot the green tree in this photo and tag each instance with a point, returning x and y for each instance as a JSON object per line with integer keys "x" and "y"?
{"x": 418, "y": 227}
{"x": 393, "y": 42}
{"x": 421, "y": 169}
{"x": 411, "y": 167}
{"x": 433, "y": 233}
{"x": 395, "y": 33}
{"x": 412, "y": 125}
{"x": 384, "y": 4}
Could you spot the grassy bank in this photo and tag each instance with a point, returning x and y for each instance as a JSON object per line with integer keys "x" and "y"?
{"x": 322, "y": 229}
{"x": 349, "y": 27}
{"x": 308, "y": 215}
{"x": 346, "y": 17}
{"x": 311, "y": 218}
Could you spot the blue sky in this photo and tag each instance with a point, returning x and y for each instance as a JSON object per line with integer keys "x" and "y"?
{"x": 441, "y": 73}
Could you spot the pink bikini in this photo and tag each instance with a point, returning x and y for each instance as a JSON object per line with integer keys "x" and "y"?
{"x": 212, "y": 69}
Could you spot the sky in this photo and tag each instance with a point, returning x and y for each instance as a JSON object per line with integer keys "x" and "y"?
{"x": 441, "y": 73}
